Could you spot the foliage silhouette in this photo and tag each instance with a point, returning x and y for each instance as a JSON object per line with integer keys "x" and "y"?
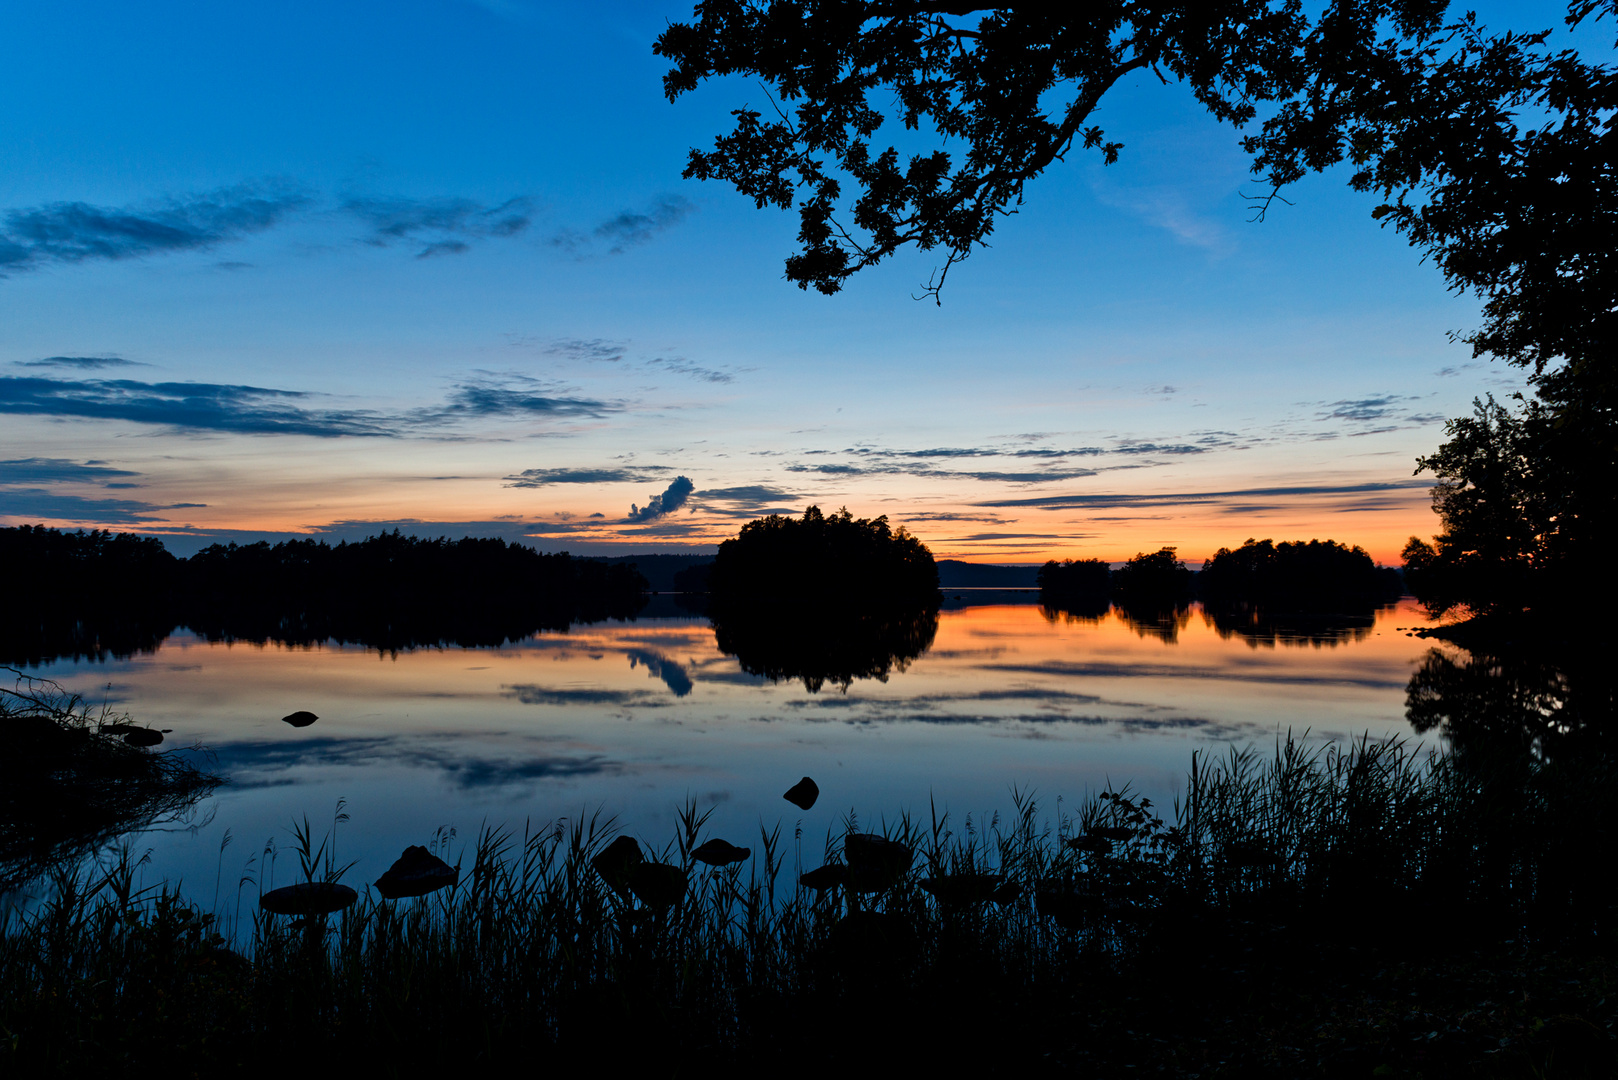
{"x": 839, "y": 559}
{"x": 1082, "y": 587}
{"x": 1153, "y": 582}
{"x": 1424, "y": 109}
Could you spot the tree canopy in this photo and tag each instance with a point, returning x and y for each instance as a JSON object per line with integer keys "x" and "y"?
{"x": 822, "y": 559}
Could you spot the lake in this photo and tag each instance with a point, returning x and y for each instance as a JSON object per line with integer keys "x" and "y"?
{"x": 635, "y": 717}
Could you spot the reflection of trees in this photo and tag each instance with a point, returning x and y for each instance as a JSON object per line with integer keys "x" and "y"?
{"x": 1163, "y": 622}
{"x": 1258, "y": 626}
{"x": 1532, "y": 702}
{"x": 837, "y": 645}
{"x": 1069, "y": 610}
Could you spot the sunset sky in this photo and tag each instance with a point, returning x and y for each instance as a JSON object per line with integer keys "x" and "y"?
{"x": 326, "y": 269}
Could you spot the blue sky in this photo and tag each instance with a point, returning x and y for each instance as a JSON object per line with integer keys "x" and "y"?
{"x": 299, "y": 268}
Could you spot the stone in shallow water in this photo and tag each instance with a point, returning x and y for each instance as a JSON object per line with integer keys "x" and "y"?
{"x": 967, "y": 888}
{"x": 826, "y": 877}
{"x": 301, "y": 718}
{"x": 717, "y": 852}
{"x": 657, "y": 885}
{"x": 616, "y": 861}
{"x": 308, "y": 898}
{"x": 875, "y": 862}
{"x": 803, "y": 794}
{"x": 417, "y": 872}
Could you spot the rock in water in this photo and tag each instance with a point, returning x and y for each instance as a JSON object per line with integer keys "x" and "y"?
{"x": 717, "y": 852}
{"x": 308, "y": 898}
{"x": 826, "y": 877}
{"x": 803, "y": 794}
{"x": 416, "y": 873}
{"x": 875, "y": 863}
{"x": 143, "y": 737}
{"x": 299, "y": 718}
{"x": 616, "y": 861}
{"x": 657, "y": 885}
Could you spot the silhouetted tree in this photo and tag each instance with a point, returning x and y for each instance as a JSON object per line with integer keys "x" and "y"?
{"x": 1004, "y": 92}
{"x": 1296, "y": 576}
{"x": 1154, "y": 582}
{"x": 836, "y": 559}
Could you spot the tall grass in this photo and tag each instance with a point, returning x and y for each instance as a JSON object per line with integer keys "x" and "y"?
{"x": 532, "y": 952}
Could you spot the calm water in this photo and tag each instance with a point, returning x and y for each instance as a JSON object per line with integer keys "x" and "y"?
{"x": 637, "y": 716}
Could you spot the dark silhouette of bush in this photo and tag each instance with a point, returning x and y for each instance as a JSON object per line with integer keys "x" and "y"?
{"x": 839, "y": 559}
{"x": 1316, "y": 576}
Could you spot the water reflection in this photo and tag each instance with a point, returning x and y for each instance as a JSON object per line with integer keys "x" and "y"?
{"x": 1489, "y": 705}
{"x": 1258, "y": 627}
{"x": 634, "y": 716}
{"x": 817, "y": 647}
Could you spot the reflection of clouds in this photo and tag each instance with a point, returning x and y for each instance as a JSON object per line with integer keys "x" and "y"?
{"x": 1101, "y": 669}
{"x": 933, "y": 709}
{"x": 532, "y": 694}
{"x": 1141, "y": 725}
{"x": 261, "y": 761}
{"x": 662, "y": 667}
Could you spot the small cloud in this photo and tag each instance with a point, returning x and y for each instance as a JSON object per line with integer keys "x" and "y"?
{"x": 631, "y": 228}
{"x": 1367, "y": 408}
{"x": 627, "y": 229}
{"x": 671, "y": 500}
{"x": 442, "y": 225}
{"x": 597, "y": 350}
{"x": 682, "y": 366}
{"x": 81, "y": 363}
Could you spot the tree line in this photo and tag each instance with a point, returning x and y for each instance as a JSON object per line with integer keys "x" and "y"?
{"x": 96, "y": 592}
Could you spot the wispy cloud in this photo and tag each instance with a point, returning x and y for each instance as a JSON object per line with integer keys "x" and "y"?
{"x": 627, "y": 228}
{"x": 598, "y": 350}
{"x": 58, "y": 470}
{"x": 198, "y": 406}
{"x": 1370, "y": 496}
{"x": 80, "y": 363}
{"x": 443, "y": 226}
{"x": 510, "y": 394}
{"x": 673, "y": 497}
{"x": 536, "y": 478}
{"x": 41, "y": 504}
{"x": 71, "y": 232}
{"x": 258, "y": 410}
{"x": 680, "y": 366}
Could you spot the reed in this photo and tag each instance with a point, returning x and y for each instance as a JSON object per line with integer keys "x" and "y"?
{"x": 1030, "y": 918}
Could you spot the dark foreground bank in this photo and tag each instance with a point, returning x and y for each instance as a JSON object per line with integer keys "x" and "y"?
{"x": 1366, "y": 911}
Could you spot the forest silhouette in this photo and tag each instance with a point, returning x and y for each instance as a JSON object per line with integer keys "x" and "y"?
{"x": 95, "y": 594}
